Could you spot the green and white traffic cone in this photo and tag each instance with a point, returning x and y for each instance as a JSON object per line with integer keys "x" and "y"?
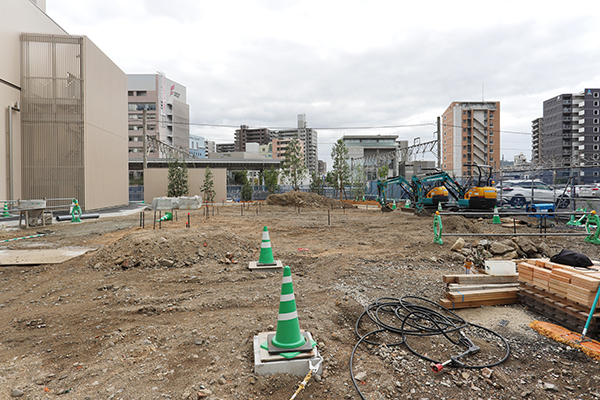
{"x": 440, "y": 206}
{"x": 167, "y": 217}
{"x": 266, "y": 252}
{"x": 394, "y": 205}
{"x": 407, "y": 203}
{"x": 496, "y": 219}
{"x": 6, "y": 213}
{"x": 437, "y": 228}
{"x": 288, "y": 334}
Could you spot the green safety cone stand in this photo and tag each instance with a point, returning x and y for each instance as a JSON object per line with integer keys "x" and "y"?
{"x": 572, "y": 221}
{"x": 394, "y": 205}
{"x": 75, "y": 211}
{"x": 581, "y": 220}
{"x": 266, "y": 262}
{"x": 496, "y": 219}
{"x": 288, "y": 341}
{"x": 6, "y": 213}
{"x": 167, "y": 217}
{"x": 437, "y": 228}
{"x": 592, "y": 219}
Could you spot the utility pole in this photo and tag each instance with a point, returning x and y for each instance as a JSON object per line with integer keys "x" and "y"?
{"x": 145, "y": 145}
{"x": 439, "y": 139}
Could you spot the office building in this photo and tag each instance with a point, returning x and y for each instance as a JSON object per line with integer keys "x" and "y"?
{"x": 571, "y": 134}
{"x": 367, "y": 147}
{"x": 167, "y": 113}
{"x": 470, "y": 135}
{"x": 537, "y": 127}
{"x": 65, "y": 114}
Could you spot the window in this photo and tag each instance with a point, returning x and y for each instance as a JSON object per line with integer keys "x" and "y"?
{"x": 596, "y": 103}
{"x": 492, "y": 125}
{"x": 464, "y": 138}
{"x": 464, "y": 129}
{"x": 491, "y": 150}
{"x": 464, "y": 112}
{"x": 491, "y": 115}
{"x": 464, "y": 147}
{"x": 596, "y": 147}
{"x": 596, "y": 112}
{"x": 596, "y": 129}
{"x": 130, "y": 93}
{"x": 596, "y": 173}
{"x": 596, "y": 138}
{"x": 596, "y": 120}
{"x": 596, "y": 94}
{"x": 464, "y": 121}
{"x": 141, "y": 93}
{"x": 464, "y": 156}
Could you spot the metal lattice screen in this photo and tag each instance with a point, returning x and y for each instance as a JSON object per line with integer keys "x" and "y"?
{"x": 52, "y": 114}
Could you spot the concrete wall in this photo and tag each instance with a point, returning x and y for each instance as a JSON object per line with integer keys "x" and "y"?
{"x": 156, "y": 182}
{"x": 16, "y": 16}
{"x": 106, "y": 132}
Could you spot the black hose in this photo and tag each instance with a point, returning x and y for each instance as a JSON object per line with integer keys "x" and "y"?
{"x": 417, "y": 317}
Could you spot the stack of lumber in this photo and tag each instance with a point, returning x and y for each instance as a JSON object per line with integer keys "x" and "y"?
{"x": 475, "y": 290}
{"x": 560, "y": 292}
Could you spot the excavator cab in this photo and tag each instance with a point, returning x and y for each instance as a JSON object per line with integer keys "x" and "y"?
{"x": 481, "y": 196}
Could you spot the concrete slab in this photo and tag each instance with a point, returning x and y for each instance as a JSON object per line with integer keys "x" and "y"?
{"x": 38, "y": 257}
{"x": 265, "y": 363}
{"x": 266, "y": 268}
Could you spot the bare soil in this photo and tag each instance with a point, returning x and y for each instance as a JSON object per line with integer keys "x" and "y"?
{"x": 160, "y": 314}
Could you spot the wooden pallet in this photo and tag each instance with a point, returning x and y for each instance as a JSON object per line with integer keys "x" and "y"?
{"x": 560, "y": 310}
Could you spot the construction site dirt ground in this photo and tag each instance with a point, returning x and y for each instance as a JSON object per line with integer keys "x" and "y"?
{"x": 159, "y": 314}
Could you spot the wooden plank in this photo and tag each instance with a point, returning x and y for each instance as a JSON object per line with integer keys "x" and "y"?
{"x": 575, "y": 309}
{"x": 475, "y": 279}
{"x": 585, "y": 282}
{"x": 450, "y": 305}
{"x": 453, "y": 287}
{"x": 481, "y": 295}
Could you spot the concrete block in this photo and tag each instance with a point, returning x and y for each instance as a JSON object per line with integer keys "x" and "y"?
{"x": 266, "y": 268}
{"x": 265, "y": 363}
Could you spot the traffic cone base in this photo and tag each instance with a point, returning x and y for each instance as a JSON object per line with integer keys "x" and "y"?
{"x": 167, "y": 217}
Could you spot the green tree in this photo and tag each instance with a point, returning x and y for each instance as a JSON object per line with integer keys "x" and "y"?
{"x": 271, "y": 177}
{"x": 359, "y": 182}
{"x": 247, "y": 189}
{"x": 292, "y": 166}
{"x": 383, "y": 171}
{"x": 208, "y": 186}
{"x": 316, "y": 184}
{"x": 341, "y": 169}
{"x": 178, "y": 178}
{"x": 239, "y": 178}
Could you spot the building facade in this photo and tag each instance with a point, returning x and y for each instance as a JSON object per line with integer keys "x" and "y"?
{"x": 197, "y": 146}
{"x": 167, "y": 113}
{"x": 571, "y": 134}
{"x": 225, "y": 148}
{"x": 367, "y": 147}
{"x": 246, "y": 135}
{"x": 310, "y": 139}
{"x": 470, "y": 135}
{"x": 280, "y": 147}
{"x": 67, "y": 118}
{"x": 537, "y": 127}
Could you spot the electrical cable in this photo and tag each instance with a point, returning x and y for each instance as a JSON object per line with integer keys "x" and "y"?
{"x": 420, "y": 320}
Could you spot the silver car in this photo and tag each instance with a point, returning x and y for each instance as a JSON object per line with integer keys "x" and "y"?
{"x": 519, "y": 193}
{"x": 590, "y": 191}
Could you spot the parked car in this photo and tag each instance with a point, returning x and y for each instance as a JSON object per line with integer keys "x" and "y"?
{"x": 590, "y": 191}
{"x": 518, "y": 193}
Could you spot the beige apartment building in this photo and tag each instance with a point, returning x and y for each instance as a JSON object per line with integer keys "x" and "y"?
{"x": 470, "y": 135}
{"x": 65, "y": 112}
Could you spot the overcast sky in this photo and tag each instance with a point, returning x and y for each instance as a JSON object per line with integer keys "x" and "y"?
{"x": 350, "y": 63}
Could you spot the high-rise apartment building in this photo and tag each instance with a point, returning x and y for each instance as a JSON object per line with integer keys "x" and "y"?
{"x": 306, "y": 135}
{"x": 225, "y": 148}
{"x": 167, "y": 113}
{"x": 537, "y": 127}
{"x": 571, "y": 134}
{"x": 470, "y": 135}
{"x": 246, "y": 135}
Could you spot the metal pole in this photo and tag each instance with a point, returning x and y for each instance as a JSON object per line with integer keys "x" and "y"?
{"x": 439, "y": 144}
{"x": 242, "y": 208}
{"x": 154, "y": 220}
{"x": 515, "y": 234}
{"x": 188, "y": 220}
{"x": 145, "y": 145}
{"x": 160, "y": 220}
{"x": 328, "y": 218}
{"x": 143, "y": 219}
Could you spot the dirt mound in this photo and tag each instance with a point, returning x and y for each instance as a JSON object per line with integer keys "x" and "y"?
{"x": 305, "y": 199}
{"x": 459, "y": 224}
